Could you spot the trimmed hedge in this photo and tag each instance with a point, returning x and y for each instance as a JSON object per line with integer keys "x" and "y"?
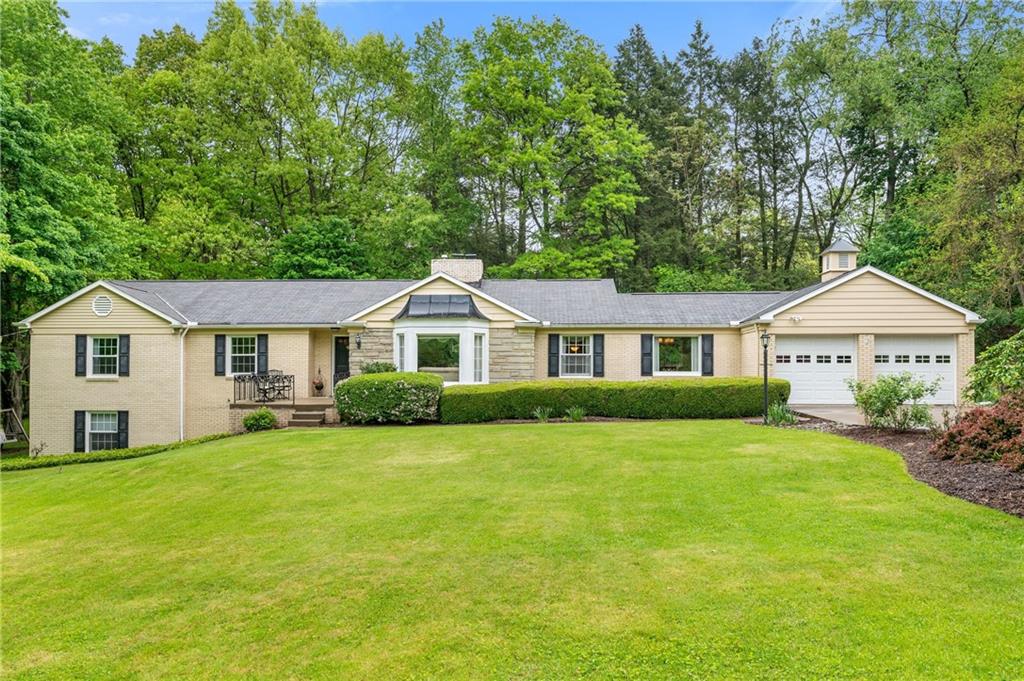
{"x": 396, "y": 397}
{"x": 674, "y": 398}
{"x": 49, "y": 461}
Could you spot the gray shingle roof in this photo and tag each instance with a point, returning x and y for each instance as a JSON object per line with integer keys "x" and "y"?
{"x": 841, "y": 245}
{"x": 598, "y": 303}
{"x": 578, "y": 302}
{"x": 270, "y": 301}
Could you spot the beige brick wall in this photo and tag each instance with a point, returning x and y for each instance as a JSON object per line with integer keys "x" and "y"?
{"x": 622, "y": 350}
{"x": 866, "y": 357}
{"x": 149, "y": 393}
{"x": 512, "y": 355}
{"x": 208, "y": 396}
{"x": 964, "y": 362}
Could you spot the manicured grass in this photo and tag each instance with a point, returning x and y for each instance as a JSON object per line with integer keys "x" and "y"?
{"x": 616, "y": 550}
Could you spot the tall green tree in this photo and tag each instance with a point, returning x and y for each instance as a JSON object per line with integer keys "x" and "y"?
{"x": 60, "y": 224}
{"x": 548, "y": 157}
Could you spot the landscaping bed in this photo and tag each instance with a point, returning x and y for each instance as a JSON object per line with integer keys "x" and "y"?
{"x": 984, "y": 482}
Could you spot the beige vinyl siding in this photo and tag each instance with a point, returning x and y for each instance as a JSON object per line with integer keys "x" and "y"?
{"x": 149, "y": 393}
{"x": 869, "y": 304}
{"x": 622, "y": 349}
{"x": 77, "y": 316}
{"x": 383, "y": 316}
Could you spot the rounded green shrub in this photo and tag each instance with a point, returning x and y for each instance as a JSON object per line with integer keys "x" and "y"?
{"x": 261, "y": 419}
{"x": 377, "y": 367}
{"x": 394, "y": 397}
{"x": 674, "y": 398}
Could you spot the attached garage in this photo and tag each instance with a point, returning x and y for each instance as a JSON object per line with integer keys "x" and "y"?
{"x": 817, "y": 367}
{"x": 929, "y": 358}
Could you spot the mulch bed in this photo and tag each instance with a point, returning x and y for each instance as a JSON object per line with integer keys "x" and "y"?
{"x": 985, "y": 483}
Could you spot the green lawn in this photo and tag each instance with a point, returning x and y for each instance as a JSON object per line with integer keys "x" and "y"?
{"x": 617, "y": 550}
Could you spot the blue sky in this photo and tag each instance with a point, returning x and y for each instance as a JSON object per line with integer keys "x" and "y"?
{"x": 731, "y": 25}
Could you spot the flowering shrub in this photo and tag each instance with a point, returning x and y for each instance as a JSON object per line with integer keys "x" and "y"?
{"x": 993, "y": 433}
{"x": 392, "y": 397}
{"x": 894, "y": 401}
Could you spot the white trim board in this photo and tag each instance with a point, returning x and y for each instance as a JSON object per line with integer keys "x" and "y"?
{"x": 769, "y": 316}
{"x": 27, "y": 321}
{"x": 452, "y": 280}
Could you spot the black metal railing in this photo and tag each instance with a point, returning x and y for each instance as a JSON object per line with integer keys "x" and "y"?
{"x": 270, "y": 387}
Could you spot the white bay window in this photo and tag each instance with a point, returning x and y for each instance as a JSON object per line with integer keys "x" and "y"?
{"x": 455, "y": 350}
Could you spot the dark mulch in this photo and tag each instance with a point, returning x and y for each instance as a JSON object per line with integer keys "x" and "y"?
{"x": 985, "y": 483}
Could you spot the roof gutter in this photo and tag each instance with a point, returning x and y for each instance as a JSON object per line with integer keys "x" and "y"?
{"x": 603, "y": 325}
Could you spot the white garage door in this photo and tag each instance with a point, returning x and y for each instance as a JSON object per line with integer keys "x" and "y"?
{"x": 816, "y": 367}
{"x": 927, "y": 357}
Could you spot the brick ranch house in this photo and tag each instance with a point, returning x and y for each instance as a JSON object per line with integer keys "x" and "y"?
{"x": 129, "y": 363}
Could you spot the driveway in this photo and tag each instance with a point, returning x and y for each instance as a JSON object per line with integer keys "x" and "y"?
{"x": 846, "y": 413}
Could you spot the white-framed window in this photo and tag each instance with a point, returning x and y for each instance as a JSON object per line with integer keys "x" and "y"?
{"x": 803, "y": 359}
{"x": 456, "y": 350}
{"x": 242, "y": 354}
{"x": 881, "y": 359}
{"x": 922, "y": 359}
{"x": 478, "y": 358}
{"x": 824, "y": 359}
{"x": 101, "y": 430}
{"x": 943, "y": 359}
{"x": 782, "y": 359}
{"x": 844, "y": 359}
{"x": 677, "y": 355}
{"x": 902, "y": 359}
{"x": 576, "y": 356}
{"x": 103, "y": 355}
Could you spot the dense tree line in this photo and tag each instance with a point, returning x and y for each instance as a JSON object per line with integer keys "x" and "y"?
{"x": 275, "y": 146}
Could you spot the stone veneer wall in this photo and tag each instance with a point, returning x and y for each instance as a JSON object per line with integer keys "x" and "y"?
{"x": 378, "y": 346}
{"x": 511, "y": 355}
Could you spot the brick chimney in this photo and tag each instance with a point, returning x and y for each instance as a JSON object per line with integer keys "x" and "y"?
{"x": 461, "y": 267}
{"x": 838, "y": 259}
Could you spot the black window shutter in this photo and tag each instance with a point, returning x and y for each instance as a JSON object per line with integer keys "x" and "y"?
{"x": 707, "y": 354}
{"x": 218, "y": 354}
{"x": 79, "y": 431}
{"x": 261, "y": 353}
{"x": 646, "y": 354}
{"x": 80, "y": 343}
{"x": 122, "y": 430}
{"x": 123, "y": 349}
{"x": 598, "y": 355}
{"x": 553, "y": 340}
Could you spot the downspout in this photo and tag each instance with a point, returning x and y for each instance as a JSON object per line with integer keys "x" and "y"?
{"x": 181, "y": 380}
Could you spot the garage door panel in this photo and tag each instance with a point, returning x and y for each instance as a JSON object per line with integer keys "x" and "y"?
{"x": 929, "y": 358}
{"x": 816, "y": 367}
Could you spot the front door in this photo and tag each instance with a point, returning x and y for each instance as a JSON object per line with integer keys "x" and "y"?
{"x": 340, "y": 358}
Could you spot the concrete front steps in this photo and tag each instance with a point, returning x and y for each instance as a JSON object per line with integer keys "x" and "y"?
{"x": 307, "y": 418}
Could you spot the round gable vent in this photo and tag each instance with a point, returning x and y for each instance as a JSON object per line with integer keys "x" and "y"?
{"x": 102, "y": 305}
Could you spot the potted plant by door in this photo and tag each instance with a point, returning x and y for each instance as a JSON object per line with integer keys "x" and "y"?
{"x": 318, "y": 383}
